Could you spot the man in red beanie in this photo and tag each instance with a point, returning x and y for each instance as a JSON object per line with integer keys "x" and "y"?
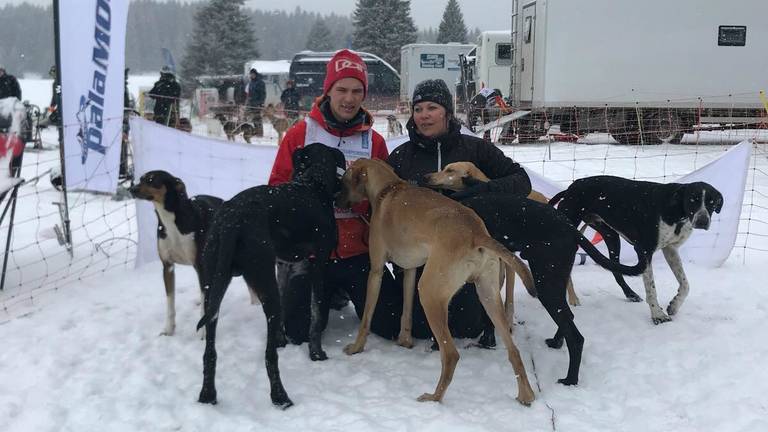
{"x": 338, "y": 120}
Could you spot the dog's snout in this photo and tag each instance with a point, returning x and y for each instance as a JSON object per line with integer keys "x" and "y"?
{"x": 701, "y": 222}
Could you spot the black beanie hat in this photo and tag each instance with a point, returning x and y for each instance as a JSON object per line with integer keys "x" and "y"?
{"x": 433, "y": 90}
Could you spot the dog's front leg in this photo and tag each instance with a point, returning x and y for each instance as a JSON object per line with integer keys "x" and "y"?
{"x": 371, "y": 297}
{"x": 319, "y": 311}
{"x": 169, "y": 280}
{"x": 673, "y": 259}
{"x": 405, "y": 339}
{"x": 657, "y": 314}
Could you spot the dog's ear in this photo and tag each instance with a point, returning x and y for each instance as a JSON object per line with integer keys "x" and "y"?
{"x": 469, "y": 181}
{"x": 715, "y": 196}
{"x": 179, "y": 186}
{"x": 299, "y": 160}
{"x": 676, "y": 201}
{"x": 341, "y": 161}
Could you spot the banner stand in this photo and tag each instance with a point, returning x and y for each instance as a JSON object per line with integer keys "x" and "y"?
{"x": 16, "y": 167}
{"x": 66, "y": 232}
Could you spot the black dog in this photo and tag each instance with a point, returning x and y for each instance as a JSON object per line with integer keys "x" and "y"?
{"x": 182, "y": 224}
{"x": 650, "y": 216}
{"x": 548, "y": 241}
{"x": 233, "y": 128}
{"x": 291, "y": 221}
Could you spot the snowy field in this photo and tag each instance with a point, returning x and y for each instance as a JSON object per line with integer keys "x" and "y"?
{"x": 87, "y": 355}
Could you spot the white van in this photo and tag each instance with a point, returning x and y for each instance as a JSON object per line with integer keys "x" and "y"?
{"x": 419, "y": 62}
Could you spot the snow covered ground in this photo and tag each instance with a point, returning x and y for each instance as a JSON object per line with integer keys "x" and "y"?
{"x": 87, "y": 356}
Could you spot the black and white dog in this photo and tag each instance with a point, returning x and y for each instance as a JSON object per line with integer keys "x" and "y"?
{"x": 292, "y": 221}
{"x": 182, "y": 224}
{"x": 650, "y": 216}
{"x": 394, "y": 128}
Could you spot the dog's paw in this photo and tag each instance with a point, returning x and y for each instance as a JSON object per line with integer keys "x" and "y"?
{"x": 282, "y": 401}
{"x": 479, "y": 344}
{"x": 405, "y": 341}
{"x": 318, "y": 355}
{"x": 555, "y": 343}
{"x": 660, "y": 319}
{"x": 207, "y": 396}
{"x": 673, "y": 308}
{"x": 526, "y": 397}
{"x": 487, "y": 340}
{"x": 568, "y": 381}
{"x": 167, "y": 332}
{"x": 634, "y": 298}
{"x": 428, "y": 397}
{"x": 353, "y": 349}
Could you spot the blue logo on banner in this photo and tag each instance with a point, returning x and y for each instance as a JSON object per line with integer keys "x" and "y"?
{"x": 90, "y": 116}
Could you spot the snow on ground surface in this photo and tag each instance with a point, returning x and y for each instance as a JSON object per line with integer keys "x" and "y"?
{"x": 88, "y": 357}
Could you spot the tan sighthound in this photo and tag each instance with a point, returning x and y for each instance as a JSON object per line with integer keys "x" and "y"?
{"x": 454, "y": 177}
{"x": 276, "y": 116}
{"x": 414, "y": 226}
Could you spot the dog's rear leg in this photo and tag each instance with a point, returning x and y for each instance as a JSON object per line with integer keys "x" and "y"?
{"x": 488, "y": 291}
{"x": 613, "y": 242}
{"x": 208, "y": 392}
{"x": 573, "y": 299}
{"x": 566, "y": 329}
{"x": 263, "y": 279}
{"x": 435, "y": 296}
{"x": 552, "y": 276}
{"x": 405, "y": 338}
{"x": 169, "y": 279}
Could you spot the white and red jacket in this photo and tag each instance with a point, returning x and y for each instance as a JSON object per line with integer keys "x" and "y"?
{"x": 358, "y": 142}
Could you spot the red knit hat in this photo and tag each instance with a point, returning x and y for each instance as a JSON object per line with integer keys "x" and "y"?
{"x": 345, "y": 64}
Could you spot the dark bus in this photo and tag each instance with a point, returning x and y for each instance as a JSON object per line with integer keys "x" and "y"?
{"x": 308, "y": 73}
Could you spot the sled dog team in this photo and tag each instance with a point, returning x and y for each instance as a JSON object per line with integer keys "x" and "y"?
{"x": 449, "y": 211}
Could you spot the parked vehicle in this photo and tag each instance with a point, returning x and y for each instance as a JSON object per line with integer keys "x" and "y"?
{"x": 308, "y": 73}
{"x": 429, "y": 61}
{"x": 485, "y": 66}
{"x": 642, "y": 71}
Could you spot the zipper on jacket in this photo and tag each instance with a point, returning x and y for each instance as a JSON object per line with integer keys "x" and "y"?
{"x": 439, "y": 158}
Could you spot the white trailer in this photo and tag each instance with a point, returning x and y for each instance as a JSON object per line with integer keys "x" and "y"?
{"x": 642, "y": 55}
{"x": 419, "y": 62}
{"x": 493, "y": 59}
{"x": 274, "y": 73}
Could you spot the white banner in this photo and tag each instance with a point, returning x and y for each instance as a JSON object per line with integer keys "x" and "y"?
{"x": 205, "y": 165}
{"x": 222, "y": 168}
{"x": 728, "y": 174}
{"x": 92, "y": 47}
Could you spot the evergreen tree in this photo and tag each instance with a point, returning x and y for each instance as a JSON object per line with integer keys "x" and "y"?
{"x": 452, "y": 28}
{"x": 382, "y": 27}
{"x": 223, "y": 40}
{"x": 320, "y": 37}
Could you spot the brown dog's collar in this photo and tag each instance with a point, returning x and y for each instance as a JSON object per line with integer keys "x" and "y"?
{"x": 389, "y": 189}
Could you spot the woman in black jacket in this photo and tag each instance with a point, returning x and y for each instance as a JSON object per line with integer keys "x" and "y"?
{"x": 436, "y": 141}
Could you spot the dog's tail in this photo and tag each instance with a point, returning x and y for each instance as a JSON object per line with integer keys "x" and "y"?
{"x": 511, "y": 260}
{"x": 558, "y": 196}
{"x": 216, "y": 263}
{"x": 606, "y": 263}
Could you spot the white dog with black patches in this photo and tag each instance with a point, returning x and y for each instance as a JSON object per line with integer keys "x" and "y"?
{"x": 650, "y": 216}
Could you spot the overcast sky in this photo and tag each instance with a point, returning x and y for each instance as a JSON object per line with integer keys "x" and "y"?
{"x": 485, "y": 14}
